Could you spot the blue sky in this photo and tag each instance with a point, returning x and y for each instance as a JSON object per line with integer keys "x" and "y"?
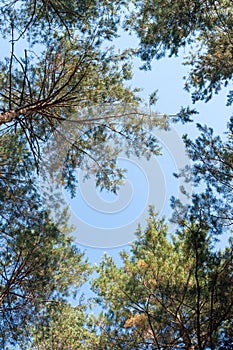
{"x": 166, "y": 76}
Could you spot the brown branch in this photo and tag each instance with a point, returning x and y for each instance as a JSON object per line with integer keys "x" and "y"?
{"x": 11, "y": 63}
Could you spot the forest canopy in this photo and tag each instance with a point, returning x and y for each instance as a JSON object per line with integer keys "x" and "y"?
{"x": 65, "y": 87}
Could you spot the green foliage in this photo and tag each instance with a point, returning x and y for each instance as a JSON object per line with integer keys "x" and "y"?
{"x": 205, "y": 27}
{"x": 39, "y": 19}
{"x": 39, "y": 265}
{"x": 213, "y": 159}
{"x": 62, "y": 327}
{"x": 213, "y": 171}
{"x": 75, "y": 82}
{"x": 175, "y": 292}
{"x": 169, "y": 293}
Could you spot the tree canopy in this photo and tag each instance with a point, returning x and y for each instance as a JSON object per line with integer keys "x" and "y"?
{"x": 205, "y": 27}
{"x": 169, "y": 293}
{"x": 176, "y": 291}
{"x": 66, "y": 104}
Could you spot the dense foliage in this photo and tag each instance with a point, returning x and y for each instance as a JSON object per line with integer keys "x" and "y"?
{"x": 38, "y": 264}
{"x": 169, "y": 293}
